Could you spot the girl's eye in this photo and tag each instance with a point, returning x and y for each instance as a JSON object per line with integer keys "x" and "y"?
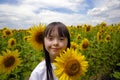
{"x": 50, "y": 38}
{"x": 62, "y": 39}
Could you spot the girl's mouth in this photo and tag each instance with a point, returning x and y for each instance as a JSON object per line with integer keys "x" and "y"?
{"x": 55, "y": 49}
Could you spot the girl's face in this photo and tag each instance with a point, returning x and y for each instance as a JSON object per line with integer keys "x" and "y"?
{"x": 54, "y": 44}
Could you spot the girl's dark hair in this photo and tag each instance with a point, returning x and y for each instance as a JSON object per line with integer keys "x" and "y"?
{"x": 63, "y": 32}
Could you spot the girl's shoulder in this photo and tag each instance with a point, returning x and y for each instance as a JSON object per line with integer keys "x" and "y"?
{"x": 39, "y": 73}
{"x": 40, "y": 66}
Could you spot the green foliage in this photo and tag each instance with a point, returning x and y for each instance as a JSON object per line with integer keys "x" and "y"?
{"x": 116, "y": 74}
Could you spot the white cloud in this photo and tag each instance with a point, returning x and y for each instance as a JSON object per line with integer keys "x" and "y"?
{"x": 68, "y": 4}
{"x": 24, "y": 15}
{"x": 97, "y": 11}
{"x": 30, "y": 12}
{"x": 49, "y": 16}
{"x": 107, "y": 12}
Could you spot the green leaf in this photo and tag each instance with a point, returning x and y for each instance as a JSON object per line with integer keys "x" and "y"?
{"x": 116, "y": 75}
{"x": 118, "y": 64}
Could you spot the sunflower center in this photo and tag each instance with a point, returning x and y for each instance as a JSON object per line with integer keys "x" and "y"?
{"x": 74, "y": 47}
{"x": 25, "y": 38}
{"x": 72, "y": 67}
{"x": 88, "y": 28}
{"x": 39, "y": 37}
{"x": 7, "y": 32}
{"x": 9, "y": 61}
{"x": 108, "y": 38}
{"x": 78, "y": 37}
{"x": 12, "y": 42}
{"x": 99, "y": 36}
{"x": 85, "y": 45}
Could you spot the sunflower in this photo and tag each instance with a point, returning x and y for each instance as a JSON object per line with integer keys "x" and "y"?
{"x": 78, "y": 36}
{"x": 79, "y": 26}
{"x": 84, "y": 44}
{"x": 36, "y": 38}
{"x": 103, "y": 24}
{"x": 71, "y": 33}
{"x": 118, "y": 28}
{"x": 11, "y": 42}
{"x": 9, "y": 61}
{"x": 111, "y": 28}
{"x": 69, "y": 28}
{"x": 84, "y": 26}
{"x": 26, "y": 38}
{"x": 107, "y": 38}
{"x": 7, "y": 32}
{"x": 70, "y": 65}
{"x": 74, "y": 45}
{"x": 88, "y": 28}
{"x": 99, "y": 36}
{"x": 102, "y": 30}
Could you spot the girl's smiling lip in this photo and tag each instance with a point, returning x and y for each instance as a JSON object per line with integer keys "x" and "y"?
{"x": 55, "y": 49}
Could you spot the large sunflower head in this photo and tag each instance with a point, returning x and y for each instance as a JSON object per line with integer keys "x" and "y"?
{"x": 36, "y": 38}
{"x": 84, "y": 44}
{"x": 7, "y": 32}
{"x": 11, "y": 42}
{"x": 9, "y": 61}
{"x": 70, "y": 65}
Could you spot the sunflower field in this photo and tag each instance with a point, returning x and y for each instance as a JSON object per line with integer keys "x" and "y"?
{"x": 21, "y": 50}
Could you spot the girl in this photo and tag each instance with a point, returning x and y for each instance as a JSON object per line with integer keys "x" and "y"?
{"x": 56, "y": 38}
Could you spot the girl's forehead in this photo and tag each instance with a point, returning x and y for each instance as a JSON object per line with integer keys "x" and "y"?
{"x": 54, "y": 32}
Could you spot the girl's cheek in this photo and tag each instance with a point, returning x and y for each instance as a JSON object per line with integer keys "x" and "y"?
{"x": 48, "y": 44}
{"x": 64, "y": 46}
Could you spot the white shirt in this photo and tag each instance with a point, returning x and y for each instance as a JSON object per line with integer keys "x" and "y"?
{"x": 39, "y": 73}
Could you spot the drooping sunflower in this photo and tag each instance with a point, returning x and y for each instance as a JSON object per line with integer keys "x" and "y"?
{"x": 9, "y": 61}
{"x": 11, "y": 42}
{"x": 70, "y": 65}
{"x": 36, "y": 38}
{"x": 7, "y": 32}
{"x": 84, "y": 44}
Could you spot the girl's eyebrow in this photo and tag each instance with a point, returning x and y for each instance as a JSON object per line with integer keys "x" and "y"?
{"x": 49, "y": 35}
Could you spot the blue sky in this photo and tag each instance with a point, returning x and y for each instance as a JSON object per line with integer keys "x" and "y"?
{"x": 22, "y": 14}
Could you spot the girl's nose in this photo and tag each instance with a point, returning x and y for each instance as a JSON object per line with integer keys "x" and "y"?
{"x": 55, "y": 42}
